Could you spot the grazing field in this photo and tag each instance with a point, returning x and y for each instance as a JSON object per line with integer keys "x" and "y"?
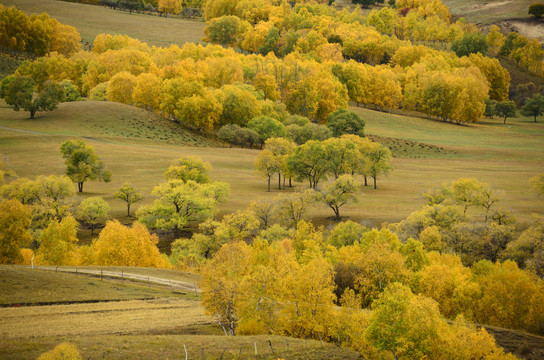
{"x": 91, "y": 20}
{"x": 129, "y": 322}
{"x": 138, "y": 146}
{"x": 489, "y": 11}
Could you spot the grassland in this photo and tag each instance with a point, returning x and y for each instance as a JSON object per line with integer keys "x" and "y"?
{"x": 489, "y": 11}
{"x": 128, "y": 322}
{"x": 138, "y": 146}
{"x": 92, "y": 20}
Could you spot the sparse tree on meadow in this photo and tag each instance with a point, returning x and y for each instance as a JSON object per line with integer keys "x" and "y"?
{"x": 505, "y": 109}
{"x": 128, "y": 194}
{"x": 340, "y": 192}
{"x": 94, "y": 211}
{"x": 82, "y": 163}
{"x": 533, "y": 106}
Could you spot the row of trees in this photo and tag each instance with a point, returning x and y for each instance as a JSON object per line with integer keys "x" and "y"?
{"x": 533, "y": 106}
{"x": 36, "y": 35}
{"x": 317, "y": 160}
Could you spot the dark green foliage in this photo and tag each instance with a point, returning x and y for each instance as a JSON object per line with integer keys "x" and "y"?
{"x": 470, "y": 44}
{"x": 534, "y": 106}
{"x": 536, "y": 10}
{"x": 505, "y": 109}
{"x": 490, "y": 108}
{"x": 364, "y": 3}
{"x": 270, "y": 42}
{"x": 344, "y": 121}
{"x": 236, "y": 135}
{"x": 310, "y": 131}
{"x": 266, "y": 128}
{"x": 82, "y": 163}
{"x": 19, "y": 92}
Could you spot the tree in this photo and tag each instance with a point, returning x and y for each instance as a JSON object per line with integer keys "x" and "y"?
{"x": 346, "y": 233}
{"x": 266, "y": 127}
{"x": 340, "y": 192}
{"x": 295, "y": 206}
{"x": 470, "y": 44}
{"x": 537, "y": 10}
{"x": 308, "y": 161}
{"x": 466, "y": 192}
{"x": 58, "y": 243}
{"x": 82, "y": 163}
{"x": 534, "y": 106}
{"x": 123, "y": 246}
{"x": 15, "y": 219}
{"x": 377, "y": 161}
{"x": 505, "y": 109}
{"x": 189, "y": 168}
{"x": 128, "y": 194}
{"x": 19, "y": 92}
{"x": 94, "y": 211}
{"x": 267, "y": 165}
{"x": 180, "y": 202}
{"x": 537, "y": 183}
{"x": 344, "y": 121}
{"x": 223, "y": 30}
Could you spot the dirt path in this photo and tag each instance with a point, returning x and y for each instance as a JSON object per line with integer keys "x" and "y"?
{"x": 173, "y": 284}
{"x": 23, "y": 131}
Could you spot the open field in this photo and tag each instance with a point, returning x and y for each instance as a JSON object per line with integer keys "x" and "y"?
{"x": 148, "y": 323}
{"x": 138, "y": 146}
{"x": 91, "y": 20}
{"x": 488, "y": 11}
{"x": 129, "y": 322}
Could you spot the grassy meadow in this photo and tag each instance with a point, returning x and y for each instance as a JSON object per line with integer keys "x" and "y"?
{"x": 128, "y": 321}
{"x": 138, "y": 146}
{"x": 91, "y": 20}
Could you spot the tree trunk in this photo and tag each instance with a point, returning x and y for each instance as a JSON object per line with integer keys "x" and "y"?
{"x": 535, "y": 118}
{"x": 290, "y": 185}
{"x": 80, "y": 186}
{"x": 366, "y": 183}
{"x": 128, "y": 209}
{"x": 32, "y": 113}
{"x": 374, "y": 182}
{"x": 279, "y": 181}
{"x": 505, "y": 120}
{"x": 269, "y": 184}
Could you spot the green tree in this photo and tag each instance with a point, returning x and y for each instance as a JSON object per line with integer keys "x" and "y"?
{"x": 505, "y": 109}
{"x": 180, "y": 202}
{"x": 15, "y": 219}
{"x": 82, "y": 163}
{"x": 94, "y": 211}
{"x": 537, "y": 10}
{"x": 267, "y": 165}
{"x": 266, "y": 127}
{"x": 377, "y": 161}
{"x": 189, "y": 168}
{"x": 533, "y": 106}
{"x": 470, "y": 44}
{"x": 344, "y": 121}
{"x": 308, "y": 161}
{"x": 19, "y": 92}
{"x": 223, "y": 30}
{"x": 340, "y": 192}
{"x": 128, "y": 194}
{"x": 490, "y": 108}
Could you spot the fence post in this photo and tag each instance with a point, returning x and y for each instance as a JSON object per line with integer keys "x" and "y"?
{"x": 185, "y": 351}
{"x": 255, "y": 348}
{"x": 122, "y": 277}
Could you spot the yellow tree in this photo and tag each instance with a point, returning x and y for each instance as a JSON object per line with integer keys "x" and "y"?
{"x": 221, "y": 286}
{"x": 123, "y": 246}
{"x": 145, "y": 92}
{"x": 495, "y": 40}
{"x": 120, "y": 87}
{"x": 65, "y": 39}
{"x": 58, "y": 243}
{"x": 170, "y": 6}
{"x": 15, "y": 219}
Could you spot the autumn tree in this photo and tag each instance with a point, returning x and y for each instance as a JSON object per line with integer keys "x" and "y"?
{"x": 223, "y": 30}
{"x": 189, "y": 168}
{"x": 506, "y": 109}
{"x": 340, "y": 192}
{"x": 15, "y": 221}
{"x": 537, "y": 183}
{"x": 281, "y": 149}
{"x": 295, "y": 206}
{"x": 533, "y": 106}
{"x": 308, "y": 161}
{"x": 267, "y": 165}
{"x": 82, "y": 163}
{"x": 128, "y": 194}
{"x": 94, "y": 211}
{"x": 123, "y": 246}
{"x": 19, "y": 92}
{"x": 58, "y": 243}
{"x": 63, "y": 351}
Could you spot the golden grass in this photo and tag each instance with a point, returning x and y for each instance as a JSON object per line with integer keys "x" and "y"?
{"x": 91, "y": 20}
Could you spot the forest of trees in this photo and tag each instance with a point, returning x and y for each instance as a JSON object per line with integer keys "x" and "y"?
{"x": 279, "y": 75}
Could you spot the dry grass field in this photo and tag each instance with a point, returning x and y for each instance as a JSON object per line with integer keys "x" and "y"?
{"x": 91, "y": 20}
{"x": 128, "y": 322}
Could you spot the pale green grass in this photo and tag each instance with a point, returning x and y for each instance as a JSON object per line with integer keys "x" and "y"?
{"x": 91, "y": 20}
